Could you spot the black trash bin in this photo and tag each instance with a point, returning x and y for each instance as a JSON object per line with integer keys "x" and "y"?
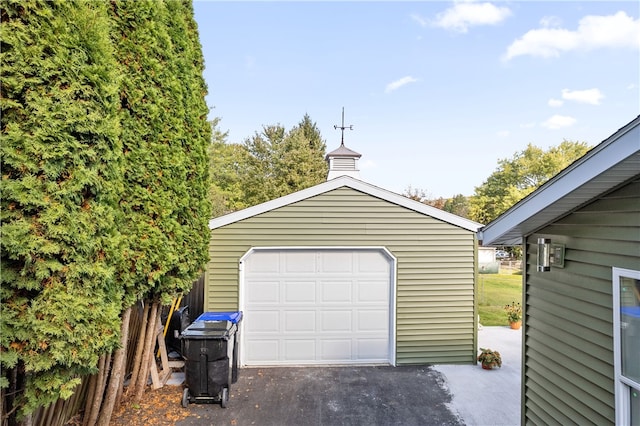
{"x": 207, "y": 349}
{"x": 235, "y": 317}
{"x": 178, "y": 322}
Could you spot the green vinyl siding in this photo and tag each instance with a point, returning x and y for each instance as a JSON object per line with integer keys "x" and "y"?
{"x": 568, "y": 361}
{"x": 435, "y": 283}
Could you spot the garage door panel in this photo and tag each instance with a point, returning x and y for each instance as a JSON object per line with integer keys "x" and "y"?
{"x": 300, "y": 350}
{"x": 297, "y": 291}
{"x": 337, "y": 291}
{"x": 300, "y": 321}
{"x": 372, "y": 321}
{"x": 263, "y": 292}
{"x": 262, "y": 350}
{"x": 336, "y": 321}
{"x": 267, "y": 262}
{"x": 373, "y": 291}
{"x": 300, "y": 262}
{"x": 322, "y": 306}
{"x": 372, "y": 261}
{"x": 336, "y": 350}
{"x": 262, "y": 322}
{"x": 373, "y": 349}
{"x": 334, "y": 262}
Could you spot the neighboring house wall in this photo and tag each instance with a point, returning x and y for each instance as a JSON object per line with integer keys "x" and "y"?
{"x": 436, "y": 311}
{"x": 568, "y": 359}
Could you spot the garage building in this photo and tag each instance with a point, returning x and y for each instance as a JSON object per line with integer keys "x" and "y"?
{"x": 346, "y": 273}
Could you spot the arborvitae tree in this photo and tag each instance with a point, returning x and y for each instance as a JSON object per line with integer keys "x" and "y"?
{"x": 165, "y": 135}
{"x": 61, "y": 175}
{"x": 142, "y": 48}
{"x": 191, "y": 139}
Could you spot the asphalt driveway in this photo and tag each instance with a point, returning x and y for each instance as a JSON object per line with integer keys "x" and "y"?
{"x": 384, "y": 395}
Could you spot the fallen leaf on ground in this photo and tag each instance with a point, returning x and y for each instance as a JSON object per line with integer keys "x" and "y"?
{"x": 158, "y": 407}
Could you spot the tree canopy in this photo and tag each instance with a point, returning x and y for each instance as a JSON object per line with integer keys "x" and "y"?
{"x": 520, "y": 175}
{"x": 270, "y": 164}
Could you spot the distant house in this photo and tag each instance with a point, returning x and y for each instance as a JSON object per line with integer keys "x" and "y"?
{"x": 580, "y": 234}
{"x": 346, "y": 273}
{"x": 487, "y": 263}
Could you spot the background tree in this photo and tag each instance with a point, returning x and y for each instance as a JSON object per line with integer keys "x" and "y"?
{"x": 424, "y": 197}
{"x": 227, "y": 164}
{"x": 458, "y": 205}
{"x": 61, "y": 175}
{"x": 310, "y": 141}
{"x": 517, "y": 177}
{"x": 270, "y": 164}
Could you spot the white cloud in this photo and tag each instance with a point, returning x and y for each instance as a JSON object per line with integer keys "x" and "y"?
{"x": 555, "y": 103}
{"x": 632, "y": 86}
{"x": 419, "y": 19}
{"x": 558, "y": 122}
{"x": 528, "y": 125}
{"x": 550, "y": 21}
{"x": 467, "y": 14}
{"x": 503, "y": 133}
{"x": 619, "y": 30}
{"x": 394, "y": 85}
{"x": 589, "y": 96}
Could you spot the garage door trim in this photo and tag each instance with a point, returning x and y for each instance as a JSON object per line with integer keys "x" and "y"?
{"x": 392, "y": 285}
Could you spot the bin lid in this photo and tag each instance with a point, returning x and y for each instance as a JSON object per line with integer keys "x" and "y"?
{"x": 233, "y": 316}
{"x": 209, "y": 330}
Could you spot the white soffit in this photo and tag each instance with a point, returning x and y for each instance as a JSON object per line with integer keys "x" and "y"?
{"x": 609, "y": 164}
{"x": 345, "y": 181}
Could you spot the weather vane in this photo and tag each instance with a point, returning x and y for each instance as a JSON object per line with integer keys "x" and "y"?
{"x": 343, "y": 127}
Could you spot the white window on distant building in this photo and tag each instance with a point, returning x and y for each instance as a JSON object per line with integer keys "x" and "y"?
{"x": 626, "y": 345}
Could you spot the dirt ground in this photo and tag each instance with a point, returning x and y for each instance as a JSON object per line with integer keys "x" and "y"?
{"x": 158, "y": 407}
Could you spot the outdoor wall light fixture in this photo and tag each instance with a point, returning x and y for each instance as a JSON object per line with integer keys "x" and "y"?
{"x": 544, "y": 254}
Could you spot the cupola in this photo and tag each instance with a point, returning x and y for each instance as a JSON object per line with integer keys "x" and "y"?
{"x": 343, "y": 161}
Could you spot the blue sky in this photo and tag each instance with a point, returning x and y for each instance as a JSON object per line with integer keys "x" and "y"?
{"x": 437, "y": 92}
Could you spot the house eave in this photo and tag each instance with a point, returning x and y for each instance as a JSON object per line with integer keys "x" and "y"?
{"x": 608, "y": 165}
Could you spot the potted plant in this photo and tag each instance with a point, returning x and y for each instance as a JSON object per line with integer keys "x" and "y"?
{"x": 489, "y": 359}
{"x": 514, "y": 314}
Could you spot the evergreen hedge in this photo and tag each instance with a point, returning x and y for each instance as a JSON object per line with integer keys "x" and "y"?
{"x": 104, "y": 180}
{"x": 61, "y": 177}
{"x": 165, "y": 135}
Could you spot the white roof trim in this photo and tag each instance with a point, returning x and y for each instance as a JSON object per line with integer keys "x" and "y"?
{"x": 620, "y": 146}
{"x": 339, "y": 182}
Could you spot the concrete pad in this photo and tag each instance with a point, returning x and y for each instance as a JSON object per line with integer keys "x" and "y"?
{"x": 488, "y": 397}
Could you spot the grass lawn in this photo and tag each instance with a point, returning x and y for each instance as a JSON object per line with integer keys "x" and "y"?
{"x": 495, "y": 291}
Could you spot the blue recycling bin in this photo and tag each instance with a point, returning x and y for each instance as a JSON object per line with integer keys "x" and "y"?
{"x": 235, "y": 317}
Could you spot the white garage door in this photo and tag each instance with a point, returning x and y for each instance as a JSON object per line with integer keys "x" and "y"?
{"x": 316, "y": 306}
